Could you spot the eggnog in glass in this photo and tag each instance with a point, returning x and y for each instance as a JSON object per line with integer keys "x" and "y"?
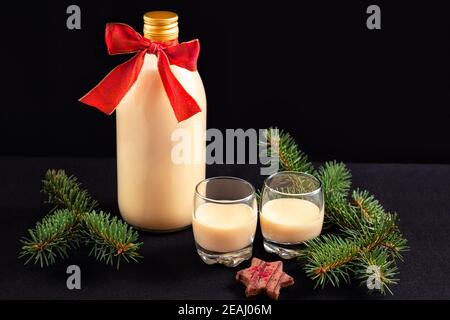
{"x": 292, "y": 211}
{"x": 224, "y": 220}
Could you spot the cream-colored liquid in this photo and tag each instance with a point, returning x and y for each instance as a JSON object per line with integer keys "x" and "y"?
{"x": 153, "y": 192}
{"x": 224, "y": 227}
{"x": 288, "y": 220}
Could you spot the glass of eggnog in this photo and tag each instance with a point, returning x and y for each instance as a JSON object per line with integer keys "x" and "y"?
{"x": 292, "y": 211}
{"x": 224, "y": 220}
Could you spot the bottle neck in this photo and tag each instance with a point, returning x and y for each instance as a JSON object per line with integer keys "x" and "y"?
{"x": 161, "y": 27}
{"x": 165, "y": 43}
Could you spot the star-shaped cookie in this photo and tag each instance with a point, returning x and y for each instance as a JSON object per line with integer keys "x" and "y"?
{"x": 264, "y": 277}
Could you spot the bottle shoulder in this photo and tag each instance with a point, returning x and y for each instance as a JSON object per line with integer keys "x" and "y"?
{"x": 190, "y": 80}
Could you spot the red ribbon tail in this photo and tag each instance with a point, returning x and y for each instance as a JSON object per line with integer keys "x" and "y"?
{"x": 106, "y": 95}
{"x": 184, "y": 54}
{"x": 183, "y": 105}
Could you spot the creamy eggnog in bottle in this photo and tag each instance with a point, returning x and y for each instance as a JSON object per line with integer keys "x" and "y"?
{"x": 154, "y": 193}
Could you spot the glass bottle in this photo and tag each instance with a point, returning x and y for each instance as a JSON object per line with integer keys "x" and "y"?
{"x": 155, "y": 187}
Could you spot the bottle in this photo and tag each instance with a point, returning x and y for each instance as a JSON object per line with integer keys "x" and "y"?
{"x": 154, "y": 192}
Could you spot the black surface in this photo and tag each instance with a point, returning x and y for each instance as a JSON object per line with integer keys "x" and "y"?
{"x": 309, "y": 67}
{"x": 171, "y": 268}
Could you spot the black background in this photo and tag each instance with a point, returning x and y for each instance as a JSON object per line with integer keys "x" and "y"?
{"x": 309, "y": 67}
{"x": 312, "y": 68}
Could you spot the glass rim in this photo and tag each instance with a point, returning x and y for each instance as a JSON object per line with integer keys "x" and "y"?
{"x": 247, "y": 198}
{"x": 297, "y": 173}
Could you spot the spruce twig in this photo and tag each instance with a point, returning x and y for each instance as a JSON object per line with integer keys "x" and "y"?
{"x": 332, "y": 258}
{"x": 50, "y": 238}
{"x": 376, "y": 270}
{"x": 111, "y": 238}
{"x": 328, "y": 259}
{"x": 290, "y": 156}
{"x": 336, "y": 182}
{"x": 65, "y": 192}
{"x": 75, "y": 221}
{"x": 368, "y": 237}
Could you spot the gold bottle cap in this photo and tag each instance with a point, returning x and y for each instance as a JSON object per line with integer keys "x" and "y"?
{"x": 161, "y": 25}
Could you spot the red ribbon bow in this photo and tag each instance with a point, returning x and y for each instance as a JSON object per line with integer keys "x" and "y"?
{"x": 121, "y": 38}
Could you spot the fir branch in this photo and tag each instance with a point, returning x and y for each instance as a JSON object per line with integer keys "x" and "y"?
{"x": 65, "y": 192}
{"x": 335, "y": 178}
{"x": 336, "y": 181}
{"x": 111, "y": 238}
{"x": 328, "y": 259}
{"x": 332, "y": 258}
{"x": 368, "y": 235}
{"x": 373, "y": 234}
{"x": 283, "y": 145}
{"x": 395, "y": 243}
{"x": 77, "y": 222}
{"x": 376, "y": 270}
{"x": 369, "y": 208}
{"x": 50, "y": 238}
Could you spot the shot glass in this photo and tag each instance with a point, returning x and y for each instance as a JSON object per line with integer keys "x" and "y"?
{"x": 224, "y": 220}
{"x": 292, "y": 211}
